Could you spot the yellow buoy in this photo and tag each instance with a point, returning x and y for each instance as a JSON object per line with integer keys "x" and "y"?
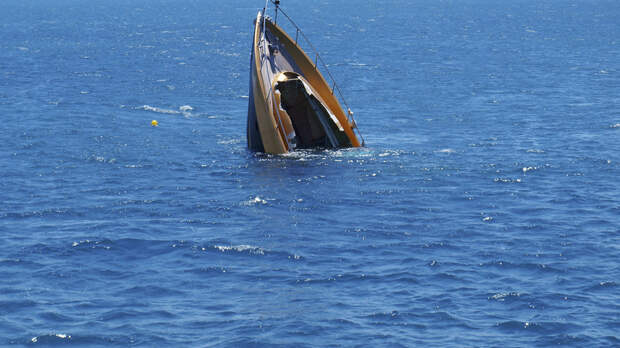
{"x": 154, "y": 123}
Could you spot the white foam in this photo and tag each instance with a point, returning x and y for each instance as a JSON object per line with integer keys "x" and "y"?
{"x": 159, "y": 110}
{"x": 186, "y": 110}
{"x": 240, "y": 248}
{"x": 446, "y": 151}
{"x": 504, "y": 295}
{"x": 63, "y": 336}
{"x": 254, "y": 201}
{"x": 229, "y": 141}
{"x": 507, "y": 180}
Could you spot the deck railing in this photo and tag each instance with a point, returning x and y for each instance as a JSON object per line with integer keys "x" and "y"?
{"x": 318, "y": 59}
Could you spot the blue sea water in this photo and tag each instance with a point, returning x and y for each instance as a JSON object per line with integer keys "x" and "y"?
{"x": 483, "y": 212}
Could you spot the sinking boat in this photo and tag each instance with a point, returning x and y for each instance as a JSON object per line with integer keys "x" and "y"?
{"x": 291, "y": 106}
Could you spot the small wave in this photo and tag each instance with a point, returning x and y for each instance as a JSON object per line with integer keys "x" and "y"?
{"x": 87, "y": 244}
{"x": 512, "y": 325}
{"x": 20, "y": 263}
{"x": 503, "y": 296}
{"x": 158, "y": 110}
{"x": 249, "y": 249}
{"x": 151, "y": 291}
{"x": 437, "y": 245}
{"x": 51, "y": 338}
{"x": 388, "y": 153}
{"x": 207, "y": 270}
{"x": 121, "y": 314}
{"x": 239, "y": 249}
{"x": 125, "y": 247}
{"x": 61, "y": 339}
{"x": 507, "y": 180}
{"x": 483, "y": 144}
{"x": 254, "y": 201}
{"x": 101, "y": 159}
{"x": 55, "y": 317}
{"x": 17, "y": 305}
{"x": 617, "y": 125}
{"x": 547, "y": 327}
{"x": 224, "y": 53}
{"x": 185, "y": 110}
{"x": 230, "y": 141}
{"x": 539, "y": 267}
{"x": 337, "y": 278}
{"x": 46, "y": 212}
{"x": 384, "y": 317}
{"x": 445, "y": 151}
{"x": 604, "y": 285}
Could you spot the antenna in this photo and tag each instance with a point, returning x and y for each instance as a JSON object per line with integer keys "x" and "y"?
{"x": 263, "y": 17}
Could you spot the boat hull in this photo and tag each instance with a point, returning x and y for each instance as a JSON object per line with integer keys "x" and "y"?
{"x": 290, "y": 104}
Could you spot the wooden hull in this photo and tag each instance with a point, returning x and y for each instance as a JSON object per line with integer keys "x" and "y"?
{"x": 290, "y": 104}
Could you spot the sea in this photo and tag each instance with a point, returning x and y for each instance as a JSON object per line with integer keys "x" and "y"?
{"x": 483, "y": 210}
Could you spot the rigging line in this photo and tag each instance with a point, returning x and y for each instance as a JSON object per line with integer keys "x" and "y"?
{"x": 317, "y": 55}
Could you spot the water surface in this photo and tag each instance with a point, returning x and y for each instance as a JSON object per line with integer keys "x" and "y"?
{"x": 482, "y": 212}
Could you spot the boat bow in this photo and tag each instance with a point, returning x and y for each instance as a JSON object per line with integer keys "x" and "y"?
{"x": 291, "y": 106}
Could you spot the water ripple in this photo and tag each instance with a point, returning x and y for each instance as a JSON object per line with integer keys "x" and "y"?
{"x": 483, "y": 210}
